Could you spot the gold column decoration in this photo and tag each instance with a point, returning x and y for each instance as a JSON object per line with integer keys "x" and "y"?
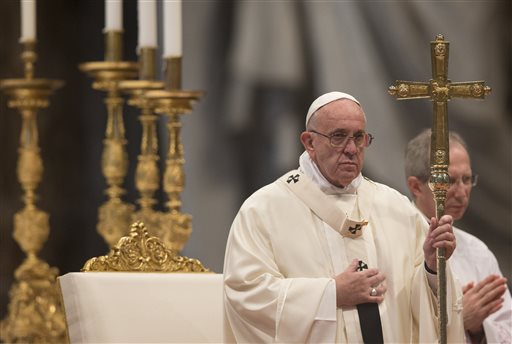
{"x": 439, "y": 90}
{"x": 147, "y": 175}
{"x": 173, "y": 102}
{"x": 35, "y": 313}
{"x": 141, "y": 252}
{"x": 115, "y": 215}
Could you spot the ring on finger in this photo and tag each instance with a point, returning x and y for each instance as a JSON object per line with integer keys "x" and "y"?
{"x": 373, "y": 292}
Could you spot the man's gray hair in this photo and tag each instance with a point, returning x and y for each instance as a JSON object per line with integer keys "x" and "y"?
{"x": 417, "y": 154}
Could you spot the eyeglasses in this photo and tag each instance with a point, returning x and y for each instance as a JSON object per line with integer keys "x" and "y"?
{"x": 471, "y": 180}
{"x": 340, "y": 139}
{"x": 465, "y": 180}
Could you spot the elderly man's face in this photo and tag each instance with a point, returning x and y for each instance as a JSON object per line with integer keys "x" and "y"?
{"x": 339, "y": 165}
{"x": 457, "y": 197}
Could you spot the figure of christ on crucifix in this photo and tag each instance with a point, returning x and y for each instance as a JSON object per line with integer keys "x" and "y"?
{"x": 439, "y": 90}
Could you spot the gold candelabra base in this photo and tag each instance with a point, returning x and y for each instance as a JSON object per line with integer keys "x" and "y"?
{"x": 35, "y": 313}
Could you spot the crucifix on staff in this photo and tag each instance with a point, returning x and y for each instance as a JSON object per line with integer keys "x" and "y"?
{"x": 439, "y": 90}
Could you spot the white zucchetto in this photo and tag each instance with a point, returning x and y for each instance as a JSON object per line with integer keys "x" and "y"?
{"x": 326, "y": 99}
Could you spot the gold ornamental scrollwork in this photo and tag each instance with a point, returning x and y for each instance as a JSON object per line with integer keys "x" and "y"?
{"x": 142, "y": 253}
{"x": 403, "y": 90}
{"x": 439, "y": 157}
{"x": 440, "y": 49}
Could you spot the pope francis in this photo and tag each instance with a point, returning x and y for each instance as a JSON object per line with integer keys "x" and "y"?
{"x": 325, "y": 255}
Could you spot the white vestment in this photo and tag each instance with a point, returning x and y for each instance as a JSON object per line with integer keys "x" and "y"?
{"x": 473, "y": 261}
{"x": 281, "y": 259}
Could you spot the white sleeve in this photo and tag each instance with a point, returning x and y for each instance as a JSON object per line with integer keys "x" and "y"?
{"x": 324, "y": 327}
{"x": 264, "y": 306}
{"x": 498, "y": 326}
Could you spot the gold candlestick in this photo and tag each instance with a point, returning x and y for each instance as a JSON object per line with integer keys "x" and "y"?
{"x": 147, "y": 176}
{"x": 114, "y": 215}
{"x": 35, "y": 312}
{"x": 172, "y": 103}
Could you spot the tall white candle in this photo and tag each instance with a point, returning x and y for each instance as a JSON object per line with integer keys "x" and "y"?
{"x": 147, "y": 23}
{"x": 28, "y": 20}
{"x": 113, "y": 15}
{"x": 172, "y": 28}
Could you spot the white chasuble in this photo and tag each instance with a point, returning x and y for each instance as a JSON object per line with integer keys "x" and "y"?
{"x": 283, "y": 253}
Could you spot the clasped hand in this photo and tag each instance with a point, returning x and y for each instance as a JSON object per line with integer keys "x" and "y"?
{"x": 353, "y": 287}
{"x": 481, "y": 300}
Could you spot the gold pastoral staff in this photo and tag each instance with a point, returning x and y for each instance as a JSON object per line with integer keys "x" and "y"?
{"x": 439, "y": 90}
